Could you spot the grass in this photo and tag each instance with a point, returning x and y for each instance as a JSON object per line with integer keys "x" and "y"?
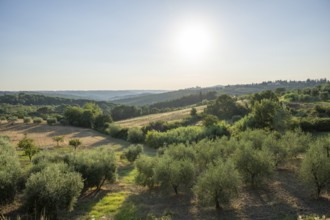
{"x": 167, "y": 116}
{"x": 108, "y": 205}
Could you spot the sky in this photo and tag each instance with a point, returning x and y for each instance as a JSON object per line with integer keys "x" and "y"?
{"x": 170, "y": 44}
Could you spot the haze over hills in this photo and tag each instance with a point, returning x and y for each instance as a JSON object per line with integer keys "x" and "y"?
{"x": 149, "y": 97}
{"x": 97, "y": 95}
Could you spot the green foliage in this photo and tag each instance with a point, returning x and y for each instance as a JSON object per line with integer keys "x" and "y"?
{"x": 132, "y": 152}
{"x": 264, "y": 113}
{"x": 96, "y": 167}
{"x": 58, "y": 139}
{"x": 75, "y": 143}
{"x": 51, "y": 121}
{"x": 73, "y": 115}
{"x": 296, "y": 142}
{"x": 146, "y": 171}
{"x": 315, "y": 168}
{"x": 116, "y": 131}
{"x": 28, "y": 146}
{"x": 218, "y": 184}
{"x": 254, "y": 165}
{"x": 209, "y": 120}
{"x": 12, "y": 119}
{"x": 315, "y": 124}
{"x": 52, "y": 189}
{"x": 10, "y": 171}
{"x": 174, "y": 173}
{"x": 101, "y": 121}
{"x": 135, "y": 135}
{"x": 225, "y": 107}
{"x": 27, "y": 120}
{"x": 193, "y": 112}
{"x": 37, "y": 120}
{"x": 189, "y": 134}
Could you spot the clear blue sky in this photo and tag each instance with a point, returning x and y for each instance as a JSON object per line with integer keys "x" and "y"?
{"x": 99, "y": 44}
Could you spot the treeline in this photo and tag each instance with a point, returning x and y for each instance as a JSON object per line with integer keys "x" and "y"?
{"x": 185, "y": 100}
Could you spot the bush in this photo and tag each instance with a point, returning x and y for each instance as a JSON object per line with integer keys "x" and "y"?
{"x": 116, "y": 131}
{"x": 132, "y": 152}
{"x": 10, "y": 171}
{"x": 189, "y": 134}
{"x": 51, "y": 121}
{"x": 315, "y": 168}
{"x": 315, "y": 124}
{"x": 27, "y": 120}
{"x": 12, "y": 119}
{"x": 218, "y": 184}
{"x": 135, "y": 135}
{"x": 37, "y": 120}
{"x": 52, "y": 189}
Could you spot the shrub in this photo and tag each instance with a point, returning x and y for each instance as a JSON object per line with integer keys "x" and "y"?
{"x": 37, "y": 120}
{"x": 52, "y": 189}
{"x": 27, "y": 120}
{"x": 315, "y": 168}
{"x": 116, "y": 131}
{"x": 135, "y": 135}
{"x": 132, "y": 152}
{"x": 12, "y": 119}
{"x": 218, "y": 184}
{"x": 188, "y": 134}
{"x": 51, "y": 121}
{"x": 10, "y": 171}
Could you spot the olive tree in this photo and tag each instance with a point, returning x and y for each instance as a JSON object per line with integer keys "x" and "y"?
{"x": 96, "y": 167}
{"x": 218, "y": 184}
{"x": 74, "y": 143}
{"x": 146, "y": 171}
{"x": 254, "y": 165}
{"x": 58, "y": 139}
{"x": 28, "y": 147}
{"x": 135, "y": 135}
{"x": 315, "y": 168}
{"x": 132, "y": 152}
{"x": 10, "y": 171}
{"x": 52, "y": 189}
{"x": 174, "y": 173}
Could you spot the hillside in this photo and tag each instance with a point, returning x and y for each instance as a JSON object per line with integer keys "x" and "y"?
{"x": 229, "y": 89}
{"x": 96, "y": 95}
{"x": 167, "y": 116}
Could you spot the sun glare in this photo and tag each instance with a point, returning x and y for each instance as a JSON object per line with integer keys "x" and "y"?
{"x": 193, "y": 42}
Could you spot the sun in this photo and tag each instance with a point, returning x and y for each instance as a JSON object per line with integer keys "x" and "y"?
{"x": 193, "y": 42}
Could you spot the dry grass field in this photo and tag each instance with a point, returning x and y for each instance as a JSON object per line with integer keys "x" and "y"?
{"x": 167, "y": 116}
{"x": 42, "y": 135}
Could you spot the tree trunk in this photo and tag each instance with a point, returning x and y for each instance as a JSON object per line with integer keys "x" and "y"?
{"x": 175, "y": 189}
{"x": 217, "y": 204}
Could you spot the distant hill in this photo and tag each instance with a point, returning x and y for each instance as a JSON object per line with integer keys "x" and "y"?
{"x": 242, "y": 89}
{"x": 97, "y": 95}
